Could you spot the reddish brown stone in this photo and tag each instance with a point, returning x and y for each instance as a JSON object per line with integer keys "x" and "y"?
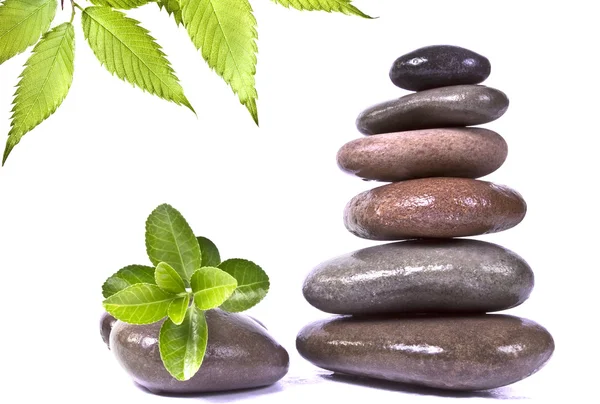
{"x": 434, "y": 208}
{"x": 445, "y": 152}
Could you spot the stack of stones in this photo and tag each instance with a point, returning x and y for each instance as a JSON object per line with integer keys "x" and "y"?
{"x": 417, "y": 308}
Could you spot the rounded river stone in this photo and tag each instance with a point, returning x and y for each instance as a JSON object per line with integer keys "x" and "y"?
{"x": 433, "y": 208}
{"x": 446, "y": 152}
{"x": 240, "y": 354}
{"x": 421, "y": 276}
{"x": 437, "y": 108}
{"x": 459, "y": 353}
{"x": 439, "y": 66}
{"x": 107, "y": 323}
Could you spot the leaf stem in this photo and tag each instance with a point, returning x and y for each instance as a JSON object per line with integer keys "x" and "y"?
{"x": 72, "y": 11}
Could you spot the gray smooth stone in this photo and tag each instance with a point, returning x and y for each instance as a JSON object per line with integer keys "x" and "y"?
{"x": 459, "y": 353}
{"x": 463, "y": 105}
{"x": 421, "y": 276}
{"x": 107, "y": 323}
{"x": 439, "y": 66}
{"x": 240, "y": 354}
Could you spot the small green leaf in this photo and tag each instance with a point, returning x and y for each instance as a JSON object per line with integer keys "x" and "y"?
{"x": 211, "y": 287}
{"x": 127, "y": 50}
{"x": 120, "y": 4}
{"x": 253, "y": 284}
{"x": 173, "y": 8}
{"x": 225, "y": 32}
{"x": 139, "y": 304}
{"x": 182, "y": 347}
{"x": 170, "y": 239}
{"x": 44, "y": 83}
{"x": 168, "y": 279}
{"x": 22, "y": 23}
{"x": 125, "y": 277}
{"x": 210, "y": 252}
{"x": 178, "y": 308}
{"x": 341, "y": 6}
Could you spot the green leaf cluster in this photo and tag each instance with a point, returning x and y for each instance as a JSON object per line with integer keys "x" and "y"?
{"x": 187, "y": 279}
{"x": 224, "y": 31}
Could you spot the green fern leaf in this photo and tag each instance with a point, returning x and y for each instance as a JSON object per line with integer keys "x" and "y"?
{"x": 22, "y": 23}
{"x": 173, "y": 8}
{"x": 44, "y": 83}
{"x": 341, "y": 6}
{"x": 225, "y": 32}
{"x": 127, "y": 50}
{"x": 120, "y": 4}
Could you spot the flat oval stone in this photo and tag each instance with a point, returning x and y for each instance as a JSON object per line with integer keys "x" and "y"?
{"x": 433, "y": 208}
{"x": 437, "y": 108}
{"x": 240, "y": 354}
{"x": 459, "y": 353}
{"x": 446, "y": 152}
{"x": 107, "y": 323}
{"x": 421, "y": 276}
{"x": 439, "y": 66}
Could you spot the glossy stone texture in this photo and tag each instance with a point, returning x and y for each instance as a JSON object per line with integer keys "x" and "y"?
{"x": 439, "y": 66}
{"x": 421, "y": 276}
{"x": 240, "y": 354}
{"x": 446, "y": 152}
{"x": 437, "y": 108}
{"x": 433, "y": 208}
{"x": 460, "y": 353}
{"x": 107, "y": 323}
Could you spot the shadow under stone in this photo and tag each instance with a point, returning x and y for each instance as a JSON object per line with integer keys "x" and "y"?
{"x": 220, "y": 396}
{"x": 501, "y": 393}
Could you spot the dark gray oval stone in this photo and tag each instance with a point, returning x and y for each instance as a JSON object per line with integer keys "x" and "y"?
{"x": 439, "y": 66}
{"x": 240, "y": 354}
{"x": 421, "y": 276}
{"x": 107, "y": 323}
{"x": 459, "y": 353}
{"x": 438, "y": 108}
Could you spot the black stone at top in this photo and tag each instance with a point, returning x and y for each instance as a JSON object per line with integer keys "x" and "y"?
{"x": 439, "y": 66}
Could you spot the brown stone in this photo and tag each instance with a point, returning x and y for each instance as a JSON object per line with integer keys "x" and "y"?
{"x": 240, "y": 354}
{"x": 434, "y": 208}
{"x": 446, "y": 152}
{"x": 460, "y": 353}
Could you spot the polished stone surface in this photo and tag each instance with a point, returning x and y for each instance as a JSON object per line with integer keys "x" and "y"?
{"x": 445, "y": 152}
{"x": 464, "y": 105}
{"x": 107, "y": 323}
{"x": 240, "y": 354}
{"x": 439, "y": 66}
{"x": 459, "y": 352}
{"x": 421, "y": 276}
{"x": 434, "y": 208}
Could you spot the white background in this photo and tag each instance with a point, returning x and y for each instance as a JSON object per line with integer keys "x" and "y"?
{"x": 74, "y": 195}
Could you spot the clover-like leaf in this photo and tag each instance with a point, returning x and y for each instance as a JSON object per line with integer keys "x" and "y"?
{"x": 178, "y": 308}
{"x": 341, "y": 6}
{"x": 125, "y": 277}
{"x": 168, "y": 279}
{"x": 127, "y": 50}
{"x": 252, "y": 284}
{"x": 182, "y": 347}
{"x": 120, "y": 4}
{"x": 173, "y": 8}
{"x": 210, "y": 252}
{"x": 44, "y": 83}
{"x": 142, "y": 303}
{"x": 211, "y": 287}
{"x": 170, "y": 239}
{"x": 22, "y": 23}
{"x": 225, "y": 33}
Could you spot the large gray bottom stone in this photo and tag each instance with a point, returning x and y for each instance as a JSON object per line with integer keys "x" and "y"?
{"x": 459, "y": 353}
